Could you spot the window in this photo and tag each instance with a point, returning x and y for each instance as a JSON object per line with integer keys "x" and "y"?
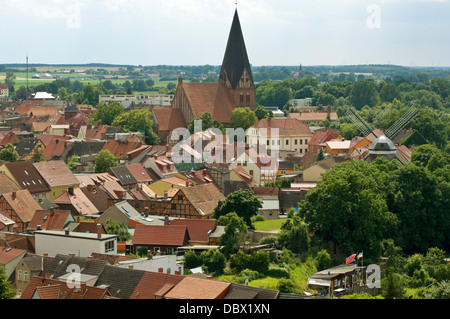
{"x": 295, "y": 142}
{"x": 301, "y": 142}
{"x": 109, "y": 246}
{"x": 241, "y": 98}
{"x": 287, "y": 142}
{"x": 248, "y": 96}
{"x": 180, "y": 197}
{"x": 19, "y": 275}
{"x": 25, "y": 275}
{"x": 173, "y": 206}
{"x": 251, "y": 172}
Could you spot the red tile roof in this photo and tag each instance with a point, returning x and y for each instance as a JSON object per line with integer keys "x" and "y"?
{"x": 209, "y": 97}
{"x": 285, "y": 126}
{"x": 120, "y": 148}
{"x": 160, "y": 235}
{"x": 56, "y": 173}
{"x": 153, "y": 284}
{"x": 49, "y": 219}
{"x": 23, "y": 203}
{"x": 198, "y": 288}
{"x": 198, "y": 229}
{"x": 7, "y": 254}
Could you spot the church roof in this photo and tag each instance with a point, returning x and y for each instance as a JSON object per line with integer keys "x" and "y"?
{"x": 236, "y": 59}
{"x": 209, "y": 97}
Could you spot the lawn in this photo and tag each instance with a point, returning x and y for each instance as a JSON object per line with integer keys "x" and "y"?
{"x": 269, "y": 225}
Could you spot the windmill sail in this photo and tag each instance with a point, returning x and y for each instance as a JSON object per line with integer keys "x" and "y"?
{"x": 359, "y": 122}
{"x": 407, "y": 117}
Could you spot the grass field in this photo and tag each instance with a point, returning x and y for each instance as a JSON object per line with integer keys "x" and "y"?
{"x": 21, "y": 80}
{"x": 269, "y": 225}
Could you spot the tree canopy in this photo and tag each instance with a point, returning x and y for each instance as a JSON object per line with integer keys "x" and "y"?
{"x": 104, "y": 160}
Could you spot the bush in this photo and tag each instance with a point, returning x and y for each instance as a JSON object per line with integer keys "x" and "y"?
{"x": 250, "y": 275}
{"x": 286, "y": 286}
{"x": 323, "y": 260}
{"x": 192, "y": 260}
{"x": 282, "y": 272}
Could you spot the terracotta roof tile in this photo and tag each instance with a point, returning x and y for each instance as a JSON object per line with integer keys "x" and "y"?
{"x": 27, "y": 176}
{"x": 154, "y": 284}
{"x": 160, "y": 235}
{"x": 56, "y": 173}
{"x": 198, "y": 288}
{"x": 49, "y": 219}
{"x": 203, "y": 197}
{"x": 23, "y": 203}
{"x": 285, "y": 126}
{"x": 209, "y": 97}
{"x": 198, "y": 229}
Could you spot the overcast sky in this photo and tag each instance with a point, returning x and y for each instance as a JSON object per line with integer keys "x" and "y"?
{"x": 195, "y": 32}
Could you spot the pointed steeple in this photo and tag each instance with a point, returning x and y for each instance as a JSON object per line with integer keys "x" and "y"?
{"x": 235, "y": 61}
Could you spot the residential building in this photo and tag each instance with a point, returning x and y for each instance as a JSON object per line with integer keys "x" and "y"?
{"x": 261, "y": 168}
{"x": 20, "y": 206}
{"x": 161, "y": 165}
{"x": 58, "y": 176}
{"x": 138, "y": 99}
{"x": 196, "y": 202}
{"x": 279, "y": 134}
{"x": 4, "y": 90}
{"x": 81, "y": 244}
{"x": 157, "y": 238}
{"x": 198, "y": 288}
{"x": 26, "y": 176}
{"x": 318, "y": 141}
{"x": 77, "y": 202}
{"x": 46, "y": 219}
{"x": 10, "y": 258}
{"x": 153, "y": 285}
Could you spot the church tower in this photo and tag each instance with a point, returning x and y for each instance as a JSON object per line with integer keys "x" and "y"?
{"x": 236, "y": 72}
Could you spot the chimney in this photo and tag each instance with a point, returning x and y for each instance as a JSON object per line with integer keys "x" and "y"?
{"x": 71, "y": 255}
{"x": 13, "y": 195}
{"x": 99, "y": 234}
{"x": 166, "y": 220}
{"x": 90, "y": 188}
{"x": 166, "y": 194}
{"x": 66, "y": 232}
{"x": 70, "y": 190}
{"x": 160, "y": 270}
{"x": 187, "y": 183}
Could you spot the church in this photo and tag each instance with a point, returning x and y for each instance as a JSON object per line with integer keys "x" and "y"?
{"x": 234, "y": 89}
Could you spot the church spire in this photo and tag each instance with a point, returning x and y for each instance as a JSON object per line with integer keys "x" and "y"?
{"x": 235, "y": 61}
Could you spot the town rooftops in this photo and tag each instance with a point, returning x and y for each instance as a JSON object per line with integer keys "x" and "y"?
{"x": 27, "y": 176}
{"x": 160, "y": 235}
{"x": 198, "y": 288}
{"x": 56, "y": 173}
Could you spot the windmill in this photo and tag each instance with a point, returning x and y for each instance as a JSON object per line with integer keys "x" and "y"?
{"x": 382, "y": 145}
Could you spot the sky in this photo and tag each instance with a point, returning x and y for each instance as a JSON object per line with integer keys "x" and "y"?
{"x": 195, "y": 32}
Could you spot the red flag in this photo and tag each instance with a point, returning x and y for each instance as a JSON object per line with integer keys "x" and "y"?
{"x": 350, "y": 259}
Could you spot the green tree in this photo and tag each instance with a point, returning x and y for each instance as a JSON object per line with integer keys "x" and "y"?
{"x": 72, "y": 163}
{"x": 261, "y": 112}
{"x": 5, "y": 291}
{"x": 119, "y": 229}
{"x": 421, "y": 156}
{"x": 214, "y": 261}
{"x": 440, "y": 290}
{"x": 9, "y": 154}
{"x": 242, "y": 117}
{"x": 294, "y": 235}
{"x": 37, "y": 156}
{"x": 138, "y": 120}
{"x": 235, "y": 232}
{"x": 192, "y": 259}
{"x": 207, "y": 122}
{"x": 106, "y": 113}
{"x": 243, "y": 202}
{"x": 421, "y": 206}
{"x": 349, "y": 208}
{"x": 363, "y": 93}
{"x": 104, "y": 160}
